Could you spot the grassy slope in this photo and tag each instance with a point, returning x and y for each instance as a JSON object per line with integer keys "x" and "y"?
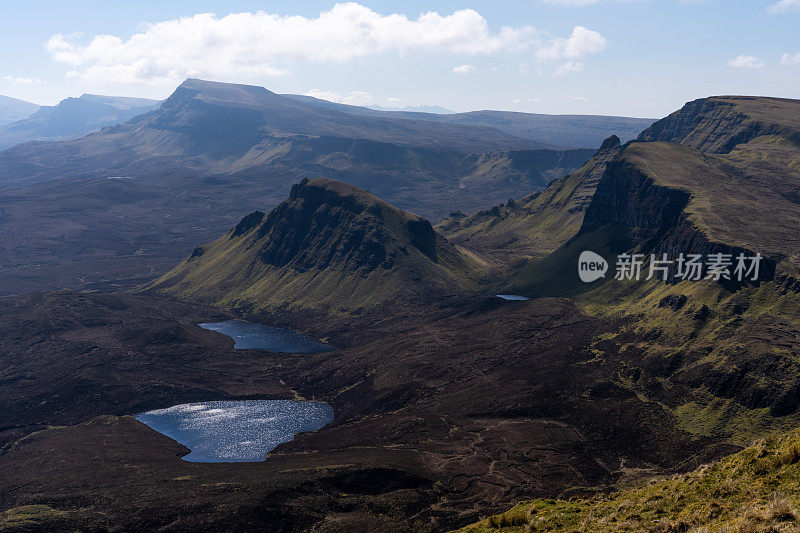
{"x": 27, "y": 518}
{"x": 533, "y": 226}
{"x": 231, "y": 273}
{"x": 757, "y": 489}
{"x": 748, "y": 334}
{"x": 743, "y": 326}
{"x": 755, "y": 323}
{"x": 729, "y": 192}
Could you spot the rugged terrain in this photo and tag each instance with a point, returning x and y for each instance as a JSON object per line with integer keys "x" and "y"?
{"x": 721, "y": 356}
{"x": 450, "y": 404}
{"x": 331, "y": 248}
{"x": 433, "y": 426}
{"x": 123, "y": 205}
{"x": 530, "y": 228}
{"x": 753, "y": 490}
{"x": 73, "y": 118}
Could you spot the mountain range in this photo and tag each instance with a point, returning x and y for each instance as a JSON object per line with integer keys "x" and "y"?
{"x": 415, "y": 109}
{"x": 598, "y": 404}
{"x": 121, "y": 205}
{"x": 210, "y": 128}
{"x": 12, "y": 110}
{"x": 72, "y": 118}
{"x": 554, "y": 131}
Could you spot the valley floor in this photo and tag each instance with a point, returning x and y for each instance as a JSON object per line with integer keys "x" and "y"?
{"x": 433, "y": 428}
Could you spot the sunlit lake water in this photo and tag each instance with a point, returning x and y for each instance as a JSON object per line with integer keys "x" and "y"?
{"x": 236, "y": 431}
{"x": 512, "y": 297}
{"x": 247, "y": 335}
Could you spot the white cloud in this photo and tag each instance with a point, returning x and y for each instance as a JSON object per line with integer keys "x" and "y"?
{"x": 21, "y": 80}
{"x": 790, "y": 59}
{"x": 517, "y": 101}
{"x": 571, "y": 3}
{"x": 253, "y": 45}
{"x": 781, "y": 6}
{"x": 580, "y": 99}
{"x": 463, "y": 69}
{"x": 568, "y": 68}
{"x": 745, "y": 61}
{"x": 351, "y": 98}
{"x": 580, "y": 3}
{"x": 580, "y": 43}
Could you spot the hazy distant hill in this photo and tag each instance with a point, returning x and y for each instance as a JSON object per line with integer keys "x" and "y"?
{"x": 12, "y": 110}
{"x": 73, "y": 117}
{"x": 562, "y": 131}
{"x": 211, "y": 128}
{"x": 415, "y": 109}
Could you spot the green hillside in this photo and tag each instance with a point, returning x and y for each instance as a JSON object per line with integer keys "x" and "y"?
{"x": 330, "y": 247}
{"x": 720, "y": 175}
{"x": 756, "y": 490}
{"x": 535, "y": 225}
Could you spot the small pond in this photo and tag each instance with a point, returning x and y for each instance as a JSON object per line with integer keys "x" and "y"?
{"x": 236, "y": 431}
{"x": 247, "y": 335}
{"x": 512, "y": 297}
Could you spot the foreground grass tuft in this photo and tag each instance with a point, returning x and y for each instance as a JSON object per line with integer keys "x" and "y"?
{"x": 25, "y": 515}
{"x": 756, "y": 490}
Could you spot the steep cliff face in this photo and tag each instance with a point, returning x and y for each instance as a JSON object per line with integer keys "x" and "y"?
{"x": 718, "y": 176}
{"x": 330, "y": 247}
{"x": 631, "y": 212}
{"x": 718, "y": 124}
{"x": 323, "y": 225}
{"x": 632, "y": 209}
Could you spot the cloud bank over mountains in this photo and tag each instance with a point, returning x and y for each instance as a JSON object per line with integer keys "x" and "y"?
{"x": 252, "y": 45}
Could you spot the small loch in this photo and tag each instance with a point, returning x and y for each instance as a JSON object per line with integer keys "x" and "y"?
{"x": 248, "y": 335}
{"x": 513, "y": 297}
{"x": 236, "y": 431}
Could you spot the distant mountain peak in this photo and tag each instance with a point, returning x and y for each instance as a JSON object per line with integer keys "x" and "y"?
{"x": 13, "y": 109}
{"x": 220, "y": 87}
{"x": 74, "y": 117}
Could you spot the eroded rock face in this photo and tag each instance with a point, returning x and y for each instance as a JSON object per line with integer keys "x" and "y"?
{"x": 640, "y": 211}
{"x": 640, "y": 216}
{"x": 247, "y": 223}
{"x": 329, "y": 246}
{"x": 318, "y": 227}
{"x": 713, "y": 125}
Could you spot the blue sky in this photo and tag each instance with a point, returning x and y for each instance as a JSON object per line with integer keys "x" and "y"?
{"x": 623, "y": 57}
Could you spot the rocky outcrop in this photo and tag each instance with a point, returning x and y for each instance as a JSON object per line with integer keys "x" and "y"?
{"x": 247, "y": 223}
{"x": 329, "y": 245}
{"x": 639, "y": 211}
{"x": 319, "y": 227}
{"x": 717, "y": 124}
{"x": 637, "y": 215}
